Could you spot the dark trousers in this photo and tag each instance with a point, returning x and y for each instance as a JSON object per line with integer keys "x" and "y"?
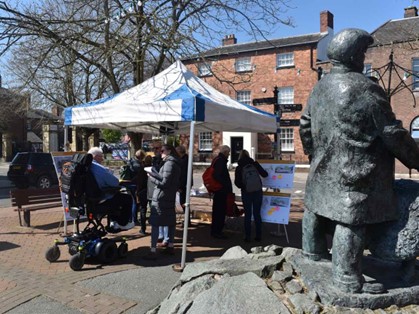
{"x": 219, "y": 203}
{"x": 142, "y": 205}
{"x": 252, "y": 203}
{"x": 119, "y": 208}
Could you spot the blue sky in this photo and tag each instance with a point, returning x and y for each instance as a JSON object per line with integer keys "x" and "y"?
{"x": 365, "y": 14}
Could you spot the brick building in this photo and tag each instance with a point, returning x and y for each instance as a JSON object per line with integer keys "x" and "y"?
{"x": 394, "y": 60}
{"x": 294, "y": 64}
{"x": 249, "y": 72}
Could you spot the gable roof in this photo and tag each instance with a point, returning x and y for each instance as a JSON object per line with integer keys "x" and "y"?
{"x": 396, "y": 31}
{"x": 261, "y": 45}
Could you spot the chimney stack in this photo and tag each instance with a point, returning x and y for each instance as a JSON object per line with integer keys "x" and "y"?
{"x": 326, "y": 21}
{"x": 410, "y": 12}
{"x": 229, "y": 40}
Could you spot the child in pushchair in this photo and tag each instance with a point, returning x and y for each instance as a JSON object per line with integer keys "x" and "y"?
{"x": 85, "y": 197}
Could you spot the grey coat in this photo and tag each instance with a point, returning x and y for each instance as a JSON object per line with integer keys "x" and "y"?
{"x": 353, "y": 137}
{"x": 164, "y": 195}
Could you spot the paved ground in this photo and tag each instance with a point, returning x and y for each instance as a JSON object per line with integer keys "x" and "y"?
{"x": 30, "y": 284}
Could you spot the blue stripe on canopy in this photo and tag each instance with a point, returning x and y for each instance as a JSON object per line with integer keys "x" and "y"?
{"x": 193, "y": 103}
{"x": 68, "y": 112}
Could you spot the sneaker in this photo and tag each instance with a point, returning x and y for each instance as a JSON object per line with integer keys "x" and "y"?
{"x": 162, "y": 244}
{"x": 142, "y": 233}
{"x": 128, "y": 226}
{"x": 159, "y": 240}
{"x": 114, "y": 227}
{"x": 151, "y": 256}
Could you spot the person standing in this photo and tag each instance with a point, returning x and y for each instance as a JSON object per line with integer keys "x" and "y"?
{"x": 219, "y": 204}
{"x": 156, "y": 164}
{"x": 352, "y": 138}
{"x": 252, "y": 200}
{"x": 163, "y": 211}
{"x": 183, "y": 159}
{"x": 140, "y": 181}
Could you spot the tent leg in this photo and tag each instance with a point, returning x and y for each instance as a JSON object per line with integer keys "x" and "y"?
{"x": 188, "y": 198}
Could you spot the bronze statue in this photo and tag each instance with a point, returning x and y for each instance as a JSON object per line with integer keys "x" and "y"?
{"x": 352, "y": 137}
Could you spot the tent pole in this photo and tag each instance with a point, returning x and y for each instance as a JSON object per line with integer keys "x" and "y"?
{"x": 188, "y": 194}
{"x": 65, "y": 138}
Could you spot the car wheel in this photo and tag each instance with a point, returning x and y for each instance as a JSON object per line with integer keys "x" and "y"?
{"x": 44, "y": 182}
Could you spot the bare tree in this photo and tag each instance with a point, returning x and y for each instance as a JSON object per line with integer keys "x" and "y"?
{"x": 73, "y": 51}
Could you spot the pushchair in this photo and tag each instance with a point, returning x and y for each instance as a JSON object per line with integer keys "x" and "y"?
{"x": 82, "y": 199}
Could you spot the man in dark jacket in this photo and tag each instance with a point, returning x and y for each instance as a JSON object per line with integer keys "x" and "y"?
{"x": 352, "y": 137}
{"x": 219, "y": 203}
{"x": 183, "y": 160}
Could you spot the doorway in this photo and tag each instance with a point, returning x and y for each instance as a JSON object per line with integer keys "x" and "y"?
{"x": 236, "y": 148}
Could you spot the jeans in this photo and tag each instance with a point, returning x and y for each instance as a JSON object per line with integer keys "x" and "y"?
{"x": 164, "y": 233}
{"x": 155, "y": 230}
{"x": 252, "y": 203}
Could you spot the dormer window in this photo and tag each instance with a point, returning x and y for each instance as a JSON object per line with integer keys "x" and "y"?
{"x": 243, "y": 64}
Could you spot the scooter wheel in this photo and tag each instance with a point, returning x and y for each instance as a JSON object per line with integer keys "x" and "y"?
{"x": 77, "y": 261}
{"x": 52, "y": 254}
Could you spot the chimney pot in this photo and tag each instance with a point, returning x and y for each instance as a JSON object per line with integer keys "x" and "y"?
{"x": 229, "y": 40}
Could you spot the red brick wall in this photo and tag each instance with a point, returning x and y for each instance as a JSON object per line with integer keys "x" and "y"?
{"x": 261, "y": 82}
{"x": 402, "y": 102}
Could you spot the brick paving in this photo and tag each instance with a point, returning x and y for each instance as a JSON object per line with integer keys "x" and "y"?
{"x": 26, "y": 274}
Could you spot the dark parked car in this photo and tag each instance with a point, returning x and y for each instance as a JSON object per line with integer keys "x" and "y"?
{"x": 32, "y": 169}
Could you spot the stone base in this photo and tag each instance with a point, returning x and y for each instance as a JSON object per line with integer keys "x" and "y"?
{"x": 317, "y": 276}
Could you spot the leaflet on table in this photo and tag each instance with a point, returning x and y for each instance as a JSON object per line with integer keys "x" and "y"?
{"x": 280, "y": 173}
{"x": 276, "y": 207}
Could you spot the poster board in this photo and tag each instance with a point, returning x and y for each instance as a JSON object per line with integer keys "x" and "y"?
{"x": 280, "y": 173}
{"x": 59, "y": 158}
{"x": 276, "y": 207}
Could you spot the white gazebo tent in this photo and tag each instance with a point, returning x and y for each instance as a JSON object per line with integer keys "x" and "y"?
{"x": 173, "y": 101}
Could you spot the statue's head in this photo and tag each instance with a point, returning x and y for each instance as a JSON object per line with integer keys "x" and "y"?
{"x": 348, "y": 47}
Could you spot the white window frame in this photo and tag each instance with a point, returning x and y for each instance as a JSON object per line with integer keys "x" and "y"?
{"x": 243, "y": 64}
{"x": 415, "y": 71}
{"x": 286, "y": 95}
{"x": 205, "y": 141}
{"x": 204, "y": 69}
{"x": 244, "y": 97}
{"x": 287, "y": 139}
{"x": 285, "y": 59}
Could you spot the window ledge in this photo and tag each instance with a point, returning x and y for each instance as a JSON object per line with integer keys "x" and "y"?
{"x": 244, "y": 71}
{"x": 285, "y": 67}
